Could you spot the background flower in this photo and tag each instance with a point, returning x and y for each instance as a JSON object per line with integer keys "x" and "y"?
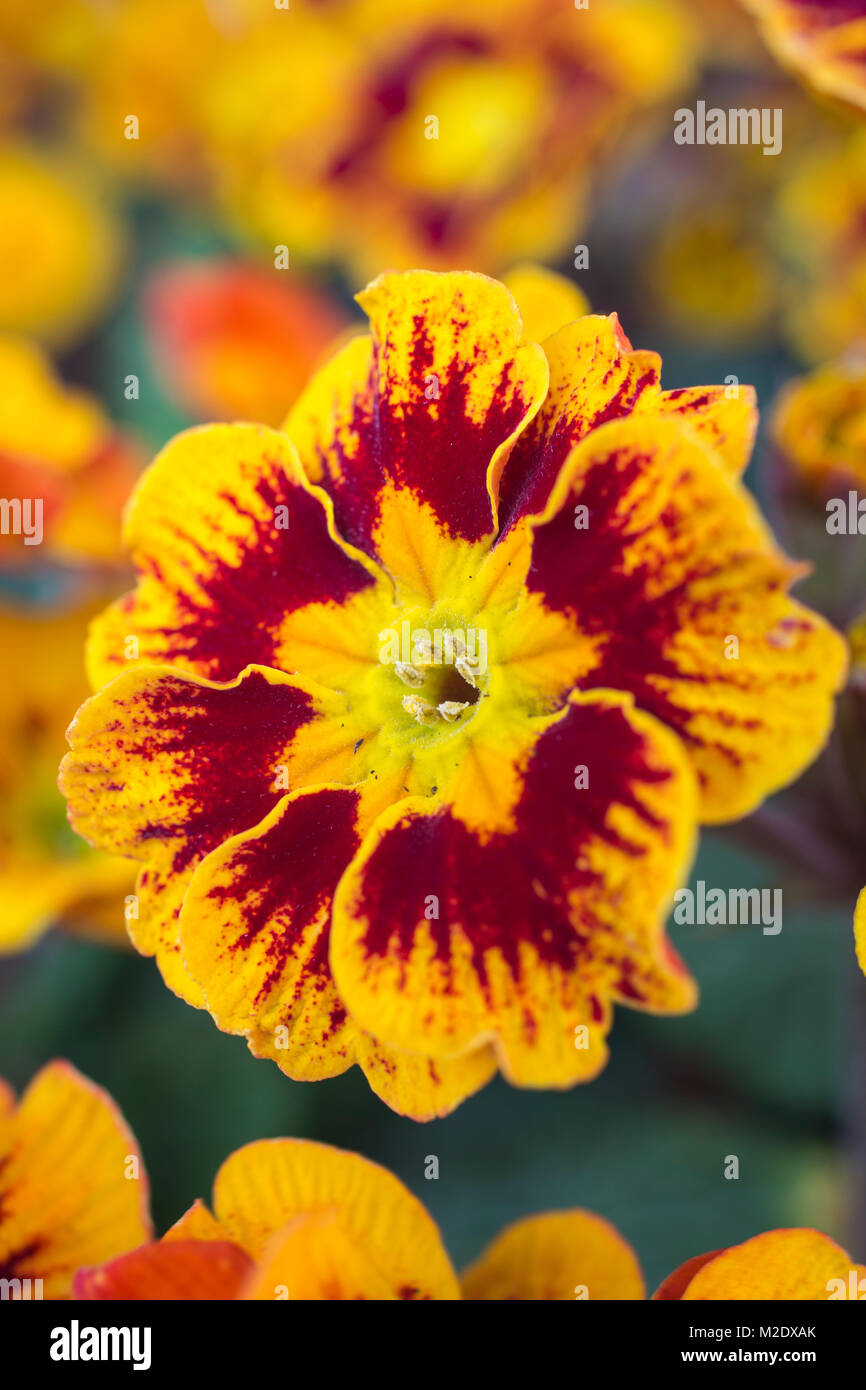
{"x": 72, "y": 1186}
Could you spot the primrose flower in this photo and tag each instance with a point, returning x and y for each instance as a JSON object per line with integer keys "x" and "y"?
{"x": 820, "y": 228}
{"x": 235, "y": 341}
{"x": 416, "y": 707}
{"x": 371, "y": 131}
{"x": 798, "y": 1264}
{"x": 60, "y": 247}
{"x": 65, "y": 469}
{"x": 293, "y": 1219}
{"x": 73, "y": 1191}
{"x": 819, "y": 427}
{"x": 823, "y": 41}
{"x": 47, "y": 874}
{"x": 445, "y": 133}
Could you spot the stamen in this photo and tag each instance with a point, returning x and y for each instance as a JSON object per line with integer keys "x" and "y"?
{"x": 468, "y": 668}
{"x": 409, "y": 675}
{"x": 451, "y": 710}
{"x": 419, "y": 709}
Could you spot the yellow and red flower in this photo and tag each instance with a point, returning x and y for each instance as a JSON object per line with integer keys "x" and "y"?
{"x": 819, "y": 427}
{"x": 47, "y": 875}
{"x": 293, "y": 1219}
{"x": 445, "y": 133}
{"x": 820, "y": 229}
{"x": 73, "y": 1191}
{"x": 235, "y": 341}
{"x": 60, "y": 246}
{"x": 823, "y": 41}
{"x": 799, "y": 1264}
{"x": 58, "y": 449}
{"x": 433, "y": 858}
{"x": 372, "y": 131}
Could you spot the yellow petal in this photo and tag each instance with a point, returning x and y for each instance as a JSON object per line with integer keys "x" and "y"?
{"x": 547, "y": 301}
{"x": 557, "y": 1256}
{"x": 261, "y": 1187}
{"x": 73, "y": 1190}
{"x": 786, "y": 1264}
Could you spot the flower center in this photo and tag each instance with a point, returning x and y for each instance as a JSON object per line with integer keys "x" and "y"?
{"x": 443, "y": 671}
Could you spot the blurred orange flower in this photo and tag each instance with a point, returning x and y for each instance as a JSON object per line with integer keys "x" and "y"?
{"x": 73, "y": 1190}
{"x": 65, "y": 469}
{"x": 47, "y": 874}
{"x": 778, "y": 1265}
{"x": 819, "y": 426}
{"x": 235, "y": 341}
{"x": 821, "y": 230}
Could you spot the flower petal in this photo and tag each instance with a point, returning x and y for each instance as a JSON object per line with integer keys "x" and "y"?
{"x": 173, "y": 1271}
{"x": 262, "y": 1186}
{"x": 73, "y": 1190}
{"x": 725, "y": 418}
{"x": 675, "y": 591}
{"x": 547, "y": 301}
{"x": 232, "y": 544}
{"x": 255, "y": 930}
{"x": 670, "y": 1290}
{"x": 860, "y": 930}
{"x": 519, "y": 918}
{"x": 596, "y": 377}
{"x": 164, "y": 767}
{"x": 556, "y": 1256}
{"x": 796, "y": 1264}
{"x": 824, "y": 41}
{"x": 197, "y": 1223}
{"x": 234, "y": 340}
{"x": 409, "y": 431}
{"x": 314, "y": 1258}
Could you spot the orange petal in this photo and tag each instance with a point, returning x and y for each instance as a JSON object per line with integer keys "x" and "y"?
{"x": 176, "y": 1271}
{"x": 556, "y": 1256}
{"x": 786, "y": 1264}
{"x": 315, "y": 1258}
{"x": 197, "y": 1223}
{"x": 235, "y": 341}
{"x": 673, "y": 1288}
